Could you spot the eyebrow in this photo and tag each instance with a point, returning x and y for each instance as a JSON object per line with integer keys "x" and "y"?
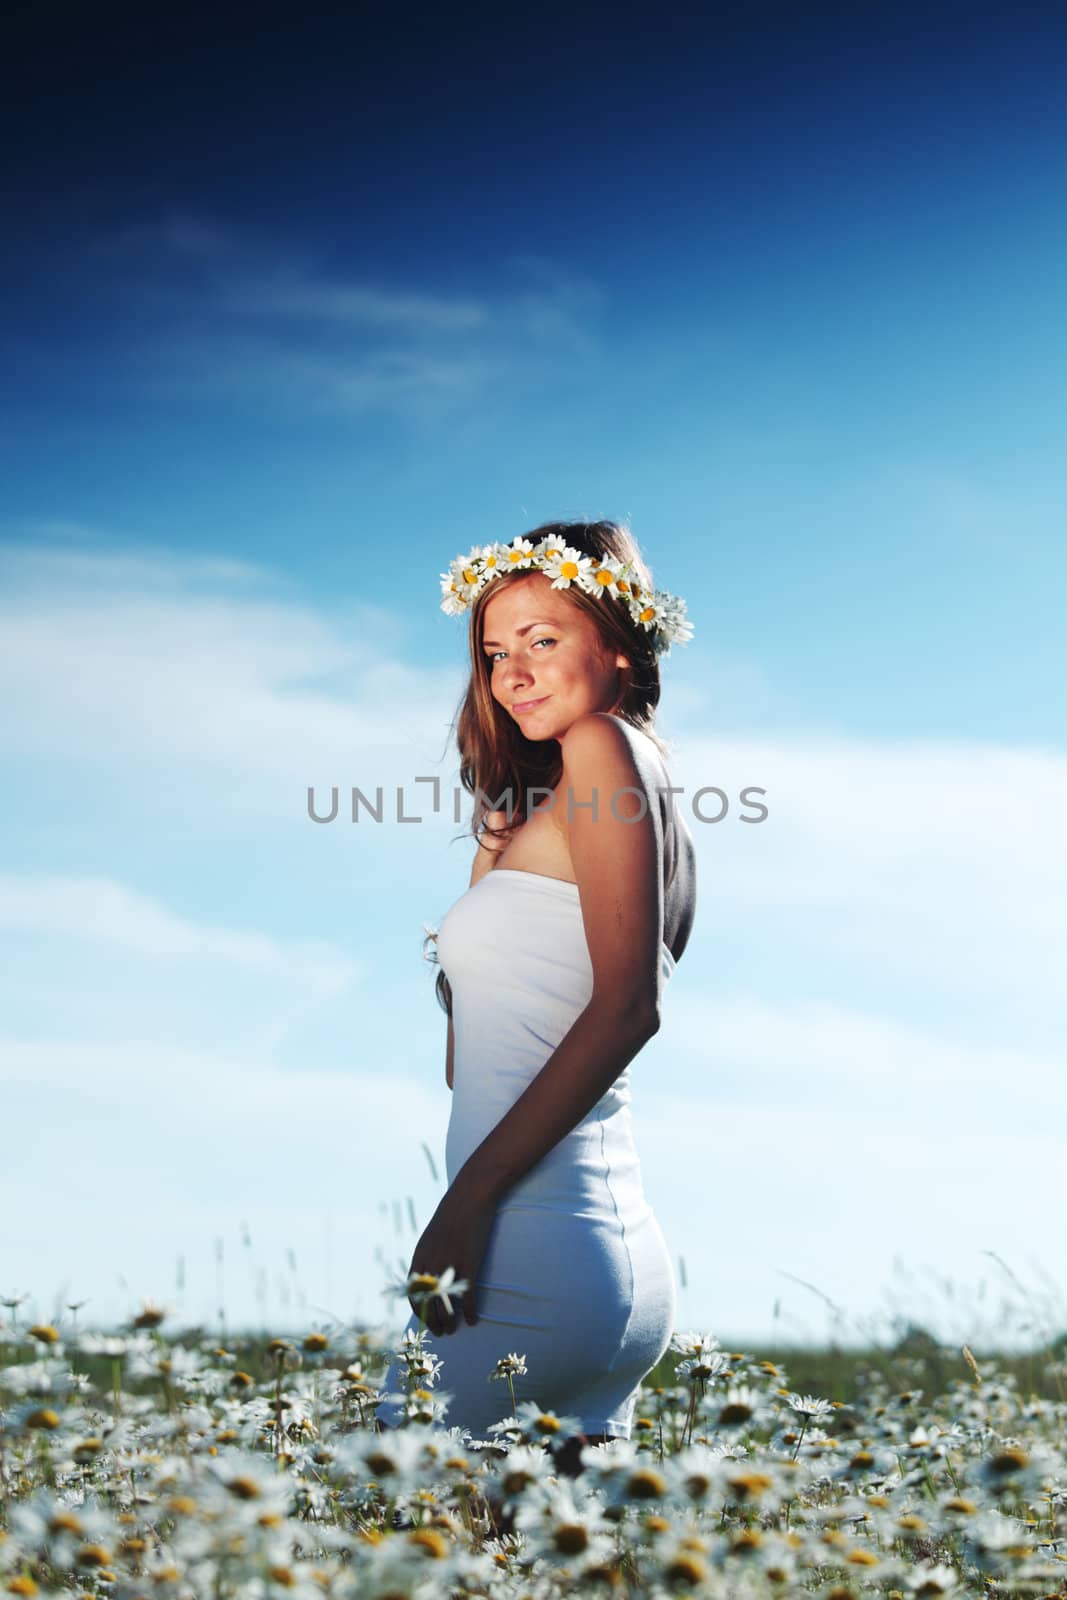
{"x": 542, "y": 622}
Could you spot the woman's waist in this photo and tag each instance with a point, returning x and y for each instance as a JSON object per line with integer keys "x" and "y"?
{"x": 596, "y": 1165}
{"x": 489, "y": 1082}
{"x": 478, "y": 1106}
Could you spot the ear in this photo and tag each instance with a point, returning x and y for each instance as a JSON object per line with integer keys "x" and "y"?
{"x": 622, "y": 661}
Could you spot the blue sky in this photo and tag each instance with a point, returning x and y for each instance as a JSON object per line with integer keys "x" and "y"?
{"x": 291, "y": 317}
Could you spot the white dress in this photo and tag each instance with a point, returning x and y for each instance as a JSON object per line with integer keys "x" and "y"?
{"x": 576, "y": 1276}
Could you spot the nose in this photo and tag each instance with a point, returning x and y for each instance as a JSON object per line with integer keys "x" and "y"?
{"x": 515, "y": 675}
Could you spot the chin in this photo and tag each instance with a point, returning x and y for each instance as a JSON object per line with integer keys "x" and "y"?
{"x": 539, "y": 735}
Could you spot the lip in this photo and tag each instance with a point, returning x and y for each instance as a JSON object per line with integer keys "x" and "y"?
{"x": 528, "y": 705}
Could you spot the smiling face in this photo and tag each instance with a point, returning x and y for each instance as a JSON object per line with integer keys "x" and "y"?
{"x": 539, "y": 646}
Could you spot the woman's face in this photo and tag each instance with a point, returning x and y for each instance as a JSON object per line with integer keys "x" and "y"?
{"x": 541, "y": 647}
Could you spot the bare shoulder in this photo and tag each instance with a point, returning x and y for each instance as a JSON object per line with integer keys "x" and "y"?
{"x": 605, "y": 742}
{"x": 596, "y": 733}
{"x": 487, "y": 847}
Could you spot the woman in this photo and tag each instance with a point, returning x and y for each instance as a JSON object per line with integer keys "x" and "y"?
{"x": 581, "y": 901}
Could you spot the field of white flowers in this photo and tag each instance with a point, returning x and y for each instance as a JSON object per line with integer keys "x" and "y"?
{"x": 140, "y": 1463}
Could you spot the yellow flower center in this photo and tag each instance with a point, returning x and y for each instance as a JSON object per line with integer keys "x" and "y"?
{"x": 750, "y": 1483}
{"x": 92, "y": 1555}
{"x": 736, "y": 1411}
{"x": 45, "y": 1418}
{"x": 746, "y": 1542}
{"x": 430, "y": 1542}
{"x": 65, "y": 1522}
{"x": 645, "y": 1484}
{"x": 243, "y": 1488}
{"x": 685, "y": 1569}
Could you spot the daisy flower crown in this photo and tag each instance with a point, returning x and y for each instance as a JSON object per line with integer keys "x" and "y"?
{"x": 660, "y": 614}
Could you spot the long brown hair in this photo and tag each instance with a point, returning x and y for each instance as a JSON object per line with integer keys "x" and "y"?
{"x": 496, "y": 758}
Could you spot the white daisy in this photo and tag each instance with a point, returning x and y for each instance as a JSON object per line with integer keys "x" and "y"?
{"x": 567, "y": 566}
{"x": 452, "y": 603}
{"x": 510, "y": 1365}
{"x": 45, "y": 1524}
{"x": 693, "y": 1344}
{"x": 545, "y": 1424}
{"x": 739, "y": 1405}
{"x": 567, "y": 1523}
{"x": 466, "y": 574}
{"x": 423, "y": 1286}
{"x": 524, "y": 1466}
{"x": 928, "y": 1580}
{"x": 491, "y": 556}
{"x": 604, "y": 578}
{"x": 607, "y": 1465}
{"x": 808, "y": 1405}
{"x": 695, "y": 1472}
{"x": 400, "y": 1567}
{"x": 519, "y": 553}
{"x": 702, "y": 1368}
{"x": 649, "y": 613}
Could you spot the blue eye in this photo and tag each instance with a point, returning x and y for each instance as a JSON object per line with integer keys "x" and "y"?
{"x": 491, "y": 655}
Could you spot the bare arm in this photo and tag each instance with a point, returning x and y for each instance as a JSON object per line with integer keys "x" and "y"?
{"x": 619, "y": 872}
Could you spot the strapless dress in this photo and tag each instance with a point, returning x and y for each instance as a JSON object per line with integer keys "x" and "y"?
{"x": 577, "y": 1276}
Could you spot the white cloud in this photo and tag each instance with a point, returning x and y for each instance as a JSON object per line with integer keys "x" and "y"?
{"x": 230, "y": 1098}
{"x": 812, "y": 1205}
{"x": 822, "y": 1202}
{"x": 820, "y": 1053}
{"x": 101, "y": 909}
{"x": 286, "y": 292}
{"x": 937, "y": 863}
{"x": 131, "y": 668}
{"x": 137, "y": 1153}
{"x": 62, "y": 555}
{"x": 243, "y": 313}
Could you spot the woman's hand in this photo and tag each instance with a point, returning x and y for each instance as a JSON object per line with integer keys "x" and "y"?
{"x": 456, "y": 1236}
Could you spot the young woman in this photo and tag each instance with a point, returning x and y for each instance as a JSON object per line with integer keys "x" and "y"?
{"x": 554, "y": 962}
